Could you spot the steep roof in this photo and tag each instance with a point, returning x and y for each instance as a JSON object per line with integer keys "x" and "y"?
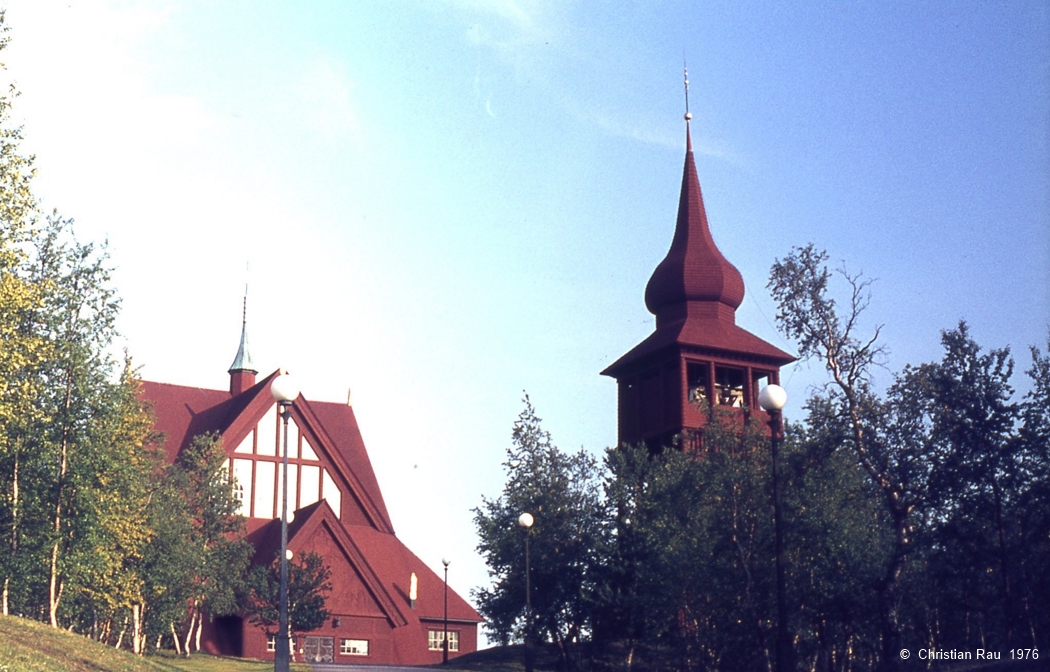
{"x": 384, "y": 564}
{"x": 694, "y": 292}
{"x": 371, "y": 568}
{"x": 694, "y": 270}
{"x": 183, "y": 413}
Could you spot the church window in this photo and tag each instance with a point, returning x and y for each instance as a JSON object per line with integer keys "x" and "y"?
{"x": 436, "y": 637}
{"x": 330, "y": 492}
{"x": 651, "y": 402}
{"x": 265, "y": 475}
{"x": 308, "y": 451}
{"x": 271, "y": 644}
{"x": 696, "y": 381}
{"x": 729, "y": 386}
{"x": 353, "y": 647}
{"x": 267, "y": 431}
{"x": 246, "y": 444}
{"x": 293, "y": 479}
{"x": 242, "y": 485}
{"x": 310, "y": 484}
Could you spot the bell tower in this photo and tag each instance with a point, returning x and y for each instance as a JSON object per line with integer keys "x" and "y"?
{"x": 697, "y": 352}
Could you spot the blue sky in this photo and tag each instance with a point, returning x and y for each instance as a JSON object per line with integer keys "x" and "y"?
{"x": 445, "y": 203}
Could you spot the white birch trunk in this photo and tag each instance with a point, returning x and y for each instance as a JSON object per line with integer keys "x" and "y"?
{"x": 136, "y": 629}
{"x": 189, "y": 632}
{"x": 120, "y": 637}
{"x": 175, "y": 636}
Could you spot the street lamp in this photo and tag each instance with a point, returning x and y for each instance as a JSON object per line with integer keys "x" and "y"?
{"x": 285, "y": 392}
{"x": 772, "y": 398}
{"x": 525, "y": 520}
{"x": 444, "y": 653}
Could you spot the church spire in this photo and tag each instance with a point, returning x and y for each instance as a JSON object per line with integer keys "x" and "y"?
{"x": 242, "y": 372}
{"x": 694, "y": 279}
{"x": 697, "y": 358}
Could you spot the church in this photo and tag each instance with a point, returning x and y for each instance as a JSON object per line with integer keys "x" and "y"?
{"x": 387, "y": 606}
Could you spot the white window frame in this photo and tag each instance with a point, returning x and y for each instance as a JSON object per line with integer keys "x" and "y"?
{"x": 353, "y": 647}
{"x": 435, "y": 638}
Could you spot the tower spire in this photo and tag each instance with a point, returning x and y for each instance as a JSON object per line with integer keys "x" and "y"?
{"x": 688, "y": 114}
{"x": 694, "y": 279}
{"x": 697, "y": 351}
{"x": 242, "y": 371}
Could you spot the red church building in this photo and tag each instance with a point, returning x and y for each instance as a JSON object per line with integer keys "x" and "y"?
{"x": 387, "y": 606}
{"x": 697, "y": 352}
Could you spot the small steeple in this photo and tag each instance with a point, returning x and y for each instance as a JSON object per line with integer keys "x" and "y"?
{"x": 694, "y": 279}
{"x": 242, "y": 373}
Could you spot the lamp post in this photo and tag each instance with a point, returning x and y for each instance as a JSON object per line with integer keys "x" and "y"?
{"x": 444, "y": 648}
{"x": 285, "y": 392}
{"x": 772, "y": 398}
{"x": 526, "y": 520}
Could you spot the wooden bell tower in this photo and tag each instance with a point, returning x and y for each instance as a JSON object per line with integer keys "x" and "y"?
{"x": 697, "y": 351}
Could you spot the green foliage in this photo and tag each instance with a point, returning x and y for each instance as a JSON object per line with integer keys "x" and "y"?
{"x": 308, "y": 585}
{"x": 693, "y": 556}
{"x": 198, "y": 556}
{"x": 563, "y": 494}
{"x": 957, "y": 466}
{"x": 981, "y": 526}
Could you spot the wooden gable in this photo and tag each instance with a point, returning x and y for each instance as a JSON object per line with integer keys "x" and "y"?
{"x": 318, "y": 468}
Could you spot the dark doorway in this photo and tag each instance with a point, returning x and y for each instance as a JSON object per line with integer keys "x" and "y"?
{"x": 229, "y": 635}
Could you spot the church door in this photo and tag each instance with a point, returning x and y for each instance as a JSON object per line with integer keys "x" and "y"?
{"x": 319, "y": 650}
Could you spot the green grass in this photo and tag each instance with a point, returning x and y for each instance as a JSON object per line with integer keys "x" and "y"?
{"x": 30, "y": 646}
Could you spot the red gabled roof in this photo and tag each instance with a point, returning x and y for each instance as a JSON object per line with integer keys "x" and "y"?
{"x": 384, "y": 564}
{"x": 380, "y": 559}
{"x": 337, "y": 426}
{"x": 395, "y": 564}
{"x": 300, "y": 531}
{"x": 183, "y": 413}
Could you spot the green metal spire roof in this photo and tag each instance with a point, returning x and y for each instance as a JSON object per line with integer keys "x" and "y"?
{"x": 243, "y": 360}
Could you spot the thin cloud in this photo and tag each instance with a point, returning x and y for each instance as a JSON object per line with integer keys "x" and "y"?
{"x": 658, "y": 137}
{"x": 326, "y": 101}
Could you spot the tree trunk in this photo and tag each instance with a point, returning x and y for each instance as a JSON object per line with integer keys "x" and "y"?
{"x": 1008, "y": 602}
{"x": 54, "y": 591}
{"x": 136, "y": 629}
{"x": 14, "y": 530}
{"x": 889, "y": 614}
{"x": 189, "y": 632}
{"x": 175, "y": 637}
{"x": 120, "y": 637}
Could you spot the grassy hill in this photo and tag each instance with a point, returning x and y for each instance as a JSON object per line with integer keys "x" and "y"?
{"x": 30, "y": 646}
